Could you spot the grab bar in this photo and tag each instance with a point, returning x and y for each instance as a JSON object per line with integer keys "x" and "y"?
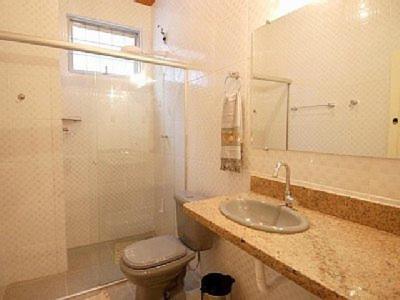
{"x": 329, "y": 105}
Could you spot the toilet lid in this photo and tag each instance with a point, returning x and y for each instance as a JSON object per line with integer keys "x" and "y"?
{"x": 153, "y": 252}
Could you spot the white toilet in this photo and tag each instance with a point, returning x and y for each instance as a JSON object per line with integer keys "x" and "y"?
{"x": 157, "y": 266}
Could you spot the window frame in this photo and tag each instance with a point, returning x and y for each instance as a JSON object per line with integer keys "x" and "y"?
{"x": 71, "y": 19}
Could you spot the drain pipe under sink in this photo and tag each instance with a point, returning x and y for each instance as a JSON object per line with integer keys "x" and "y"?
{"x": 262, "y": 284}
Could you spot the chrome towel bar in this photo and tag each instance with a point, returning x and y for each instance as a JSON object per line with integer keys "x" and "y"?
{"x": 328, "y": 105}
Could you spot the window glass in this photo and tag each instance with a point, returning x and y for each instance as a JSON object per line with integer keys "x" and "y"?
{"x": 104, "y": 36}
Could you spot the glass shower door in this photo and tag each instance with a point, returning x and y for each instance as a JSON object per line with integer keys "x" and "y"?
{"x": 126, "y": 166}
{"x": 119, "y": 166}
{"x": 90, "y": 165}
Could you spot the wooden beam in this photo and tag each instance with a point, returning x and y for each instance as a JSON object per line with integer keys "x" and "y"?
{"x": 146, "y": 2}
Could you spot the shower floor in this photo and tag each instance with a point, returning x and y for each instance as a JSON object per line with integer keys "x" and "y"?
{"x": 126, "y": 291}
{"x": 88, "y": 267}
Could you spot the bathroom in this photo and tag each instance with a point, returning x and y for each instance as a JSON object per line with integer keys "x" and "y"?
{"x": 111, "y": 119}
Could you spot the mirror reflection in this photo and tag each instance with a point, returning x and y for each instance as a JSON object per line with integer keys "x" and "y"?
{"x": 269, "y": 114}
{"x": 343, "y": 61}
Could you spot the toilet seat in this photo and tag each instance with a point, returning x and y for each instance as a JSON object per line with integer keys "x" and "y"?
{"x": 153, "y": 282}
{"x": 169, "y": 258}
{"x": 153, "y": 252}
{"x": 154, "y": 272}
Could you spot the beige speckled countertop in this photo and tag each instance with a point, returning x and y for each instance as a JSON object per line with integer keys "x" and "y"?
{"x": 334, "y": 259}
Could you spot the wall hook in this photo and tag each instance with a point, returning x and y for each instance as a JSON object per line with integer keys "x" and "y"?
{"x": 163, "y": 33}
{"x": 21, "y": 97}
{"x": 353, "y": 103}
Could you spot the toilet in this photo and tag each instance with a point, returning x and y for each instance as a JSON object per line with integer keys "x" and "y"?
{"x": 157, "y": 266}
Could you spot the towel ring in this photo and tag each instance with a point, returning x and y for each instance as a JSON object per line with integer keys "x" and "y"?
{"x": 233, "y": 76}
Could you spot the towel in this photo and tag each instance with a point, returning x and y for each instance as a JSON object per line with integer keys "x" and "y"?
{"x": 232, "y": 133}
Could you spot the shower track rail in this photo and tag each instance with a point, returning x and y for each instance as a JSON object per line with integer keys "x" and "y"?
{"x": 92, "y": 290}
{"x": 39, "y": 41}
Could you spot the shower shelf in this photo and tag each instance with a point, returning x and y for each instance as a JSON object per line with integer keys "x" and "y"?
{"x": 72, "y": 119}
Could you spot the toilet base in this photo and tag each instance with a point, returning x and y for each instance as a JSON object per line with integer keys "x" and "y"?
{"x": 162, "y": 290}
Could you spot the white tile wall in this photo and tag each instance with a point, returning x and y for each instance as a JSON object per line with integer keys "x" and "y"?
{"x": 31, "y": 204}
{"x": 217, "y": 35}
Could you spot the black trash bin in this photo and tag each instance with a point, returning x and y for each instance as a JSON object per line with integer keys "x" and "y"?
{"x": 216, "y": 286}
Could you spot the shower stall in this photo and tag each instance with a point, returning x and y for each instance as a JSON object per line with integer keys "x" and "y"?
{"x": 90, "y": 159}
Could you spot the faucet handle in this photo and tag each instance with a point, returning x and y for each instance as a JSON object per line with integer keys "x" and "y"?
{"x": 278, "y": 165}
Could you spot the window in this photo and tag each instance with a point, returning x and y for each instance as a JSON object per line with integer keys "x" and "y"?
{"x": 104, "y": 35}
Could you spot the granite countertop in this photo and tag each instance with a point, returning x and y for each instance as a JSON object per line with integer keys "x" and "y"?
{"x": 334, "y": 259}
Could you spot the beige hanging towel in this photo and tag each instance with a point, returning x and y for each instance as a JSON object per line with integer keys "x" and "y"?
{"x": 232, "y": 133}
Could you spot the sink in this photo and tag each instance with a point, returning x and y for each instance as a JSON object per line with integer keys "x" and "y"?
{"x": 264, "y": 216}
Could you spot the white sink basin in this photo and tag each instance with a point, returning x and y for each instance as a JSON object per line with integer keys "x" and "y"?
{"x": 264, "y": 216}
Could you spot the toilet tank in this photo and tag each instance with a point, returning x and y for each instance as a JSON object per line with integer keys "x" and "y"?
{"x": 191, "y": 233}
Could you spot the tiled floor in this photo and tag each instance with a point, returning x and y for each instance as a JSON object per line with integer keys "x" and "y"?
{"x": 126, "y": 291}
{"x": 123, "y": 291}
{"x": 88, "y": 267}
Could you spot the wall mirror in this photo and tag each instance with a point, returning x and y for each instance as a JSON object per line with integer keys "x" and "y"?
{"x": 341, "y": 60}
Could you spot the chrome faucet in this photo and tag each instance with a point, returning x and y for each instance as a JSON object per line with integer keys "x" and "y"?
{"x": 288, "y": 198}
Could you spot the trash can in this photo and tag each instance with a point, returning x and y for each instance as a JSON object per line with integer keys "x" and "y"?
{"x": 216, "y": 286}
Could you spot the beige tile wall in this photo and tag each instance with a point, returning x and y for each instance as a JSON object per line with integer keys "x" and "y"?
{"x": 32, "y": 222}
{"x": 217, "y": 34}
